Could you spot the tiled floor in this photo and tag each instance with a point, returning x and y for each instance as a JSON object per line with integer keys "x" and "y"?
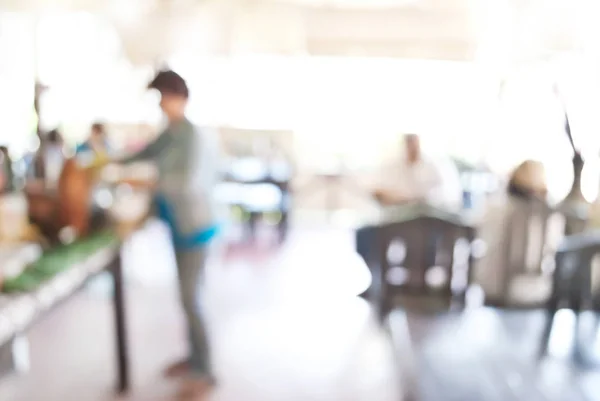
{"x": 284, "y": 327}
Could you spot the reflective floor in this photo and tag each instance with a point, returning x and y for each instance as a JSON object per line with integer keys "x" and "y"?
{"x": 490, "y": 355}
{"x": 286, "y": 325}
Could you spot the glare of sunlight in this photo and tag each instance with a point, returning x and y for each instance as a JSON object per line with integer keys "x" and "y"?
{"x": 562, "y": 335}
{"x": 596, "y": 343}
{"x": 361, "y": 3}
{"x": 34, "y": 144}
{"x": 590, "y": 179}
{"x": 559, "y": 172}
{"x": 342, "y": 275}
{"x": 343, "y": 107}
{"x": 103, "y": 198}
{"x": 128, "y": 12}
{"x": 474, "y": 297}
{"x": 483, "y": 324}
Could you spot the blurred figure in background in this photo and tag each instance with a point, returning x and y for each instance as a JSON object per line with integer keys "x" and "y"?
{"x": 97, "y": 142}
{"x": 6, "y": 174}
{"x": 528, "y": 181}
{"x": 95, "y": 150}
{"x": 54, "y": 157}
{"x": 187, "y": 160}
{"x": 515, "y": 241}
{"x": 417, "y": 178}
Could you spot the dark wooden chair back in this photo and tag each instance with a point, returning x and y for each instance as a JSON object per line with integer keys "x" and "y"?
{"x": 573, "y": 281}
{"x": 424, "y": 255}
{"x": 573, "y": 287}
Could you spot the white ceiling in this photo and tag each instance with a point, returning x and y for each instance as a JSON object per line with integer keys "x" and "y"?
{"x": 495, "y": 31}
{"x": 354, "y": 3}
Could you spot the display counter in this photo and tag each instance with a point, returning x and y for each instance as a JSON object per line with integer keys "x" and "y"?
{"x": 56, "y": 276}
{"x": 81, "y": 224}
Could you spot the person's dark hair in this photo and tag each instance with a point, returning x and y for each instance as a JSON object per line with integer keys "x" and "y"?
{"x": 168, "y": 82}
{"x": 98, "y": 128}
{"x": 519, "y": 191}
{"x": 54, "y": 137}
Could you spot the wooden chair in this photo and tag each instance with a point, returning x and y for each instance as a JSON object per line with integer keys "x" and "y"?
{"x": 420, "y": 253}
{"x": 573, "y": 284}
{"x": 423, "y": 255}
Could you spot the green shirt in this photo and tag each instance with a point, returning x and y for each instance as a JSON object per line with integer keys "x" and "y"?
{"x": 187, "y": 161}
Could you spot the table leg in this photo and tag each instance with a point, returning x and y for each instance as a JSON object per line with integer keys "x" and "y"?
{"x": 253, "y": 224}
{"x": 365, "y": 240}
{"x": 7, "y": 359}
{"x": 120, "y": 325}
{"x": 282, "y": 226}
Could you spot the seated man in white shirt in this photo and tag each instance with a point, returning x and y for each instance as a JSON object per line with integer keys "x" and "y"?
{"x": 417, "y": 178}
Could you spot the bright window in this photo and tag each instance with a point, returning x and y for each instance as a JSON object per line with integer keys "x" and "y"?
{"x": 82, "y": 63}
{"x": 17, "y": 125}
{"x": 344, "y": 106}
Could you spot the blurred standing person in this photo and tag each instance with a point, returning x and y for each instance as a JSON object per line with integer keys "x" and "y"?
{"x": 519, "y": 228}
{"x": 54, "y": 157}
{"x": 95, "y": 150}
{"x": 187, "y": 160}
{"x": 97, "y": 142}
{"x": 417, "y": 178}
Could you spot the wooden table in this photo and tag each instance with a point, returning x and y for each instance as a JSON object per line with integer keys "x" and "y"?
{"x": 19, "y": 312}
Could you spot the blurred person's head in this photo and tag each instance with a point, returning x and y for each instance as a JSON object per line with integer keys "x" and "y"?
{"x": 528, "y": 180}
{"x": 54, "y": 138}
{"x": 412, "y": 146}
{"x": 98, "y": 131}
{"x": 97, "y": 139}
{"x": 174, "y": 94}
{"x": 4, "y": 155}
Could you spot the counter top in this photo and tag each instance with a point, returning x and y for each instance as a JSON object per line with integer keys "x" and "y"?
{"x": 18, "y": 310}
